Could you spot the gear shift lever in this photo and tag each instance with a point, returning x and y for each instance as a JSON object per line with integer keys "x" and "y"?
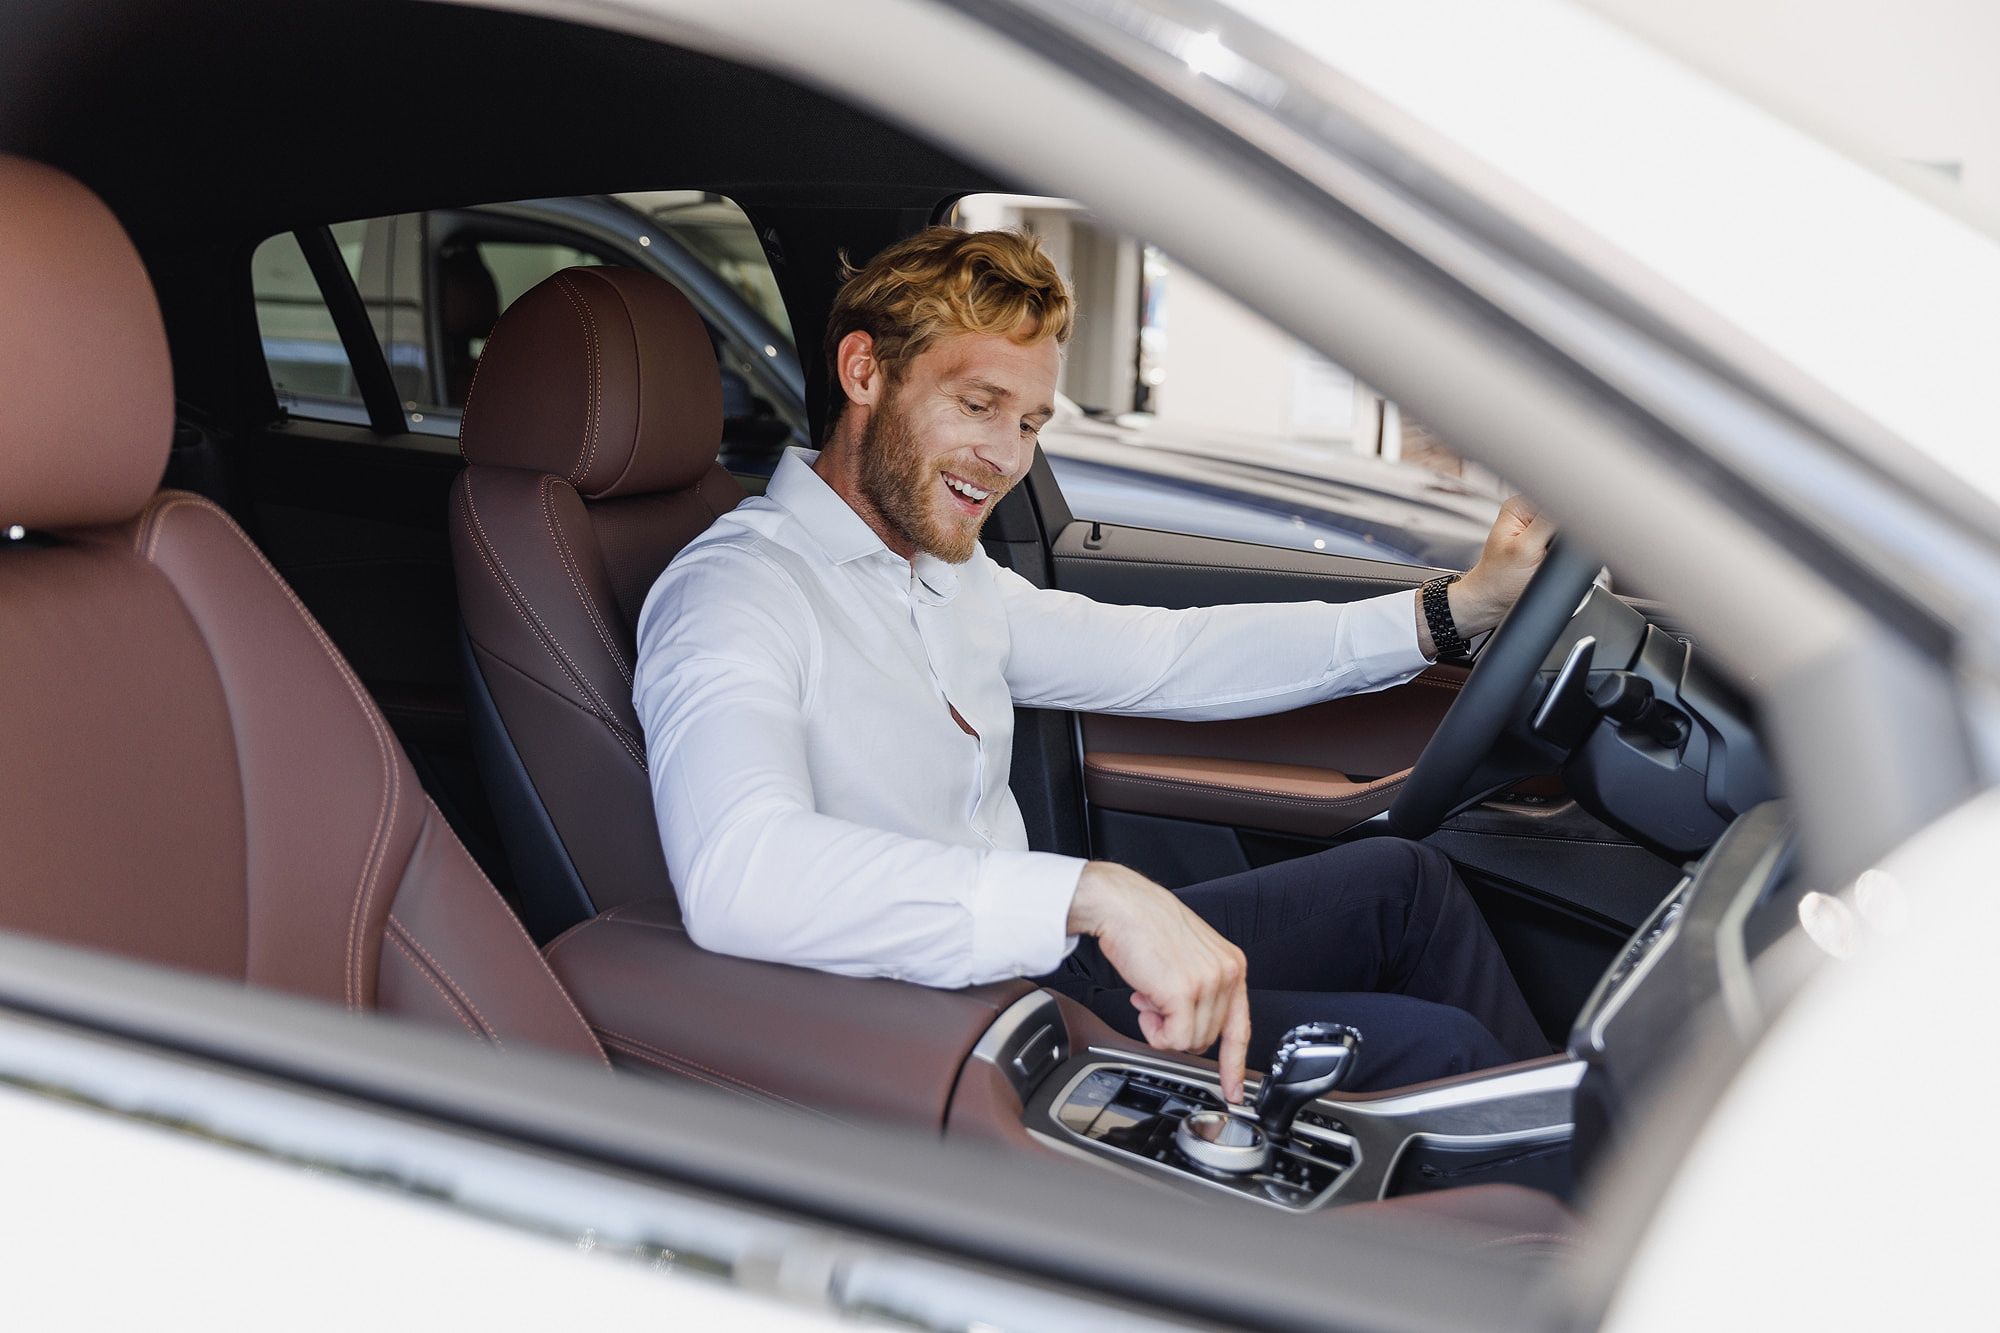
{"x": 1312, "y": 1060}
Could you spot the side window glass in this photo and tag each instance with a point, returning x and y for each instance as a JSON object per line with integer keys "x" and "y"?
{"x": 763, "y": 388}
{"x": 309, "y": 367}
{"x": 1183, "y": 410}
{"x": 434, "y": 284}
{"x": 718, "y": 235}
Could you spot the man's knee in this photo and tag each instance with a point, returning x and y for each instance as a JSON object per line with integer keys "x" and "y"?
{"x": 1452, "y": 1042}
{"x": 1465, "y": 1043}
{"x": 1411, "y": 872}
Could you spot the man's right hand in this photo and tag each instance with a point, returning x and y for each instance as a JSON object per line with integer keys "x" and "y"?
{"x": 1187, "y": 981}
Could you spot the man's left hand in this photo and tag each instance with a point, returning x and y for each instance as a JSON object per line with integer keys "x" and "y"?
{"x": 1514, "y": 550}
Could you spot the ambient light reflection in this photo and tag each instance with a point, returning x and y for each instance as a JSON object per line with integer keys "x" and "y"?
{"x": 1879, "y": 898}
{"x": 1829, "y": 923}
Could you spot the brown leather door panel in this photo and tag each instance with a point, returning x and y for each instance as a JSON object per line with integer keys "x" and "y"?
{"x": 1315, "y": 771}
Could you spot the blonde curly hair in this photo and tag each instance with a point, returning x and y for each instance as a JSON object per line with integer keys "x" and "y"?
{"x": 943, "y": 281}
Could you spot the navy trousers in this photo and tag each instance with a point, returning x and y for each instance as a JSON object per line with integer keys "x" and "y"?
{"x": 1378, "y": 934}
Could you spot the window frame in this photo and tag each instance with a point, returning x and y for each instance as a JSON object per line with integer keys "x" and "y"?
{"x": 567, "y": 221}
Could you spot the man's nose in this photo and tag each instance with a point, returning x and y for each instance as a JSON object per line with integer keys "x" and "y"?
{"x": 1006, "y": 452}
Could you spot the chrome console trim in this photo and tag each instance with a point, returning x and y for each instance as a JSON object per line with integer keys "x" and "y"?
{"x": 1027, "y": 1042}
{"x": 1578, "y": 661}
{"x": 1509, "y": 1083}
{"x": 1042, "y": 1126}
{"x": 1615, "y": 987}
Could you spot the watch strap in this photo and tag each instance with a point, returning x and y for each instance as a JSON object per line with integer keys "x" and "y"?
{"x": 1450, "y": 644}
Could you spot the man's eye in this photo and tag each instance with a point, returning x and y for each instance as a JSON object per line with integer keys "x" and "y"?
{"x": 975, "y": 408}
{"x": 1030, "y": 429}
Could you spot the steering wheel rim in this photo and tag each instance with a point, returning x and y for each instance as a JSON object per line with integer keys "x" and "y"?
{"x": 1441, "y": 780}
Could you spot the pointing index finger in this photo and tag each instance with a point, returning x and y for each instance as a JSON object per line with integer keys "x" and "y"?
{"x": 1235, "y": 1045}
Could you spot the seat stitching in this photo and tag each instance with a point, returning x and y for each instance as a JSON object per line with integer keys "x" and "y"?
{"x": 545, "y": 687}
{"x": 514, "y": 921}
{"x": 639, "y": 384}
{"x": 580, "y": 928}
{"x": 1367, "y": 790}
{"x": 550, "y": 645}
{"x": 676, "y": 1070}
{"x": 593, "y": 416}
{"x": 409, "y": 936}
{"x": 576, "y": 581}
{"x": 385, "y": 813}
{"x": 457, "y": 1011}
{"x": 696, "y": 1064}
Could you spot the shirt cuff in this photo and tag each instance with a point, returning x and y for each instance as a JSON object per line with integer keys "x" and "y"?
{"x": 1020, "y": 913}
{"x": 1378, "y": 641}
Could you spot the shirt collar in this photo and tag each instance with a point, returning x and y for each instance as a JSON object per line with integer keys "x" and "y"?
{"x": 841, "y": 532}
{"x": 826, "y": 517}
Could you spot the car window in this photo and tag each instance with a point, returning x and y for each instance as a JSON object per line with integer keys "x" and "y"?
{"x": 435, "y": 283}
{"x": 309, "y": 368}
{"x": 1185, "y": 411}
{"x": 717, "y": 233}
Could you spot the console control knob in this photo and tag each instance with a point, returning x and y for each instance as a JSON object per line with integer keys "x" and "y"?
{"x": 1222, "y": 1142}
{"x": 1311, "y": 1061}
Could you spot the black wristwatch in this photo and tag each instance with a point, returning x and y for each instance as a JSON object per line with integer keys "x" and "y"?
{"x": 1450, "y": 645}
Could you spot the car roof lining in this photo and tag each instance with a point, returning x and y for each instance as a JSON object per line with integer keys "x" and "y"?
{"x": 260, "y": 118}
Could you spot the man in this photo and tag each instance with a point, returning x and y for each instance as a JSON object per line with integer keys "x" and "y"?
{"x": 827, "y": 678}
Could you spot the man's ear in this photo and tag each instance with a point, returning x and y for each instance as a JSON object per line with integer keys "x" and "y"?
{"x": 860, "y": 374}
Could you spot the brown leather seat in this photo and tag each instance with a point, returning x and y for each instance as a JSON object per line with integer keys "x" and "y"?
{"x": 196, "y": 776}
{"x": 590, "y": 438}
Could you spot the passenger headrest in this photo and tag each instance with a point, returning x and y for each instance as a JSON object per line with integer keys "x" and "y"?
{"x": 86, "y": 386}
{"x": 604, "y": 377}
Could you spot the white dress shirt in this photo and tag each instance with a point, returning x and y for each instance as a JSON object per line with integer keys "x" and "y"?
{"x": 818, "y": 805}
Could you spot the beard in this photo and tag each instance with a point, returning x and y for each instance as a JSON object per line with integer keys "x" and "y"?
{"x": 902, "y": 483}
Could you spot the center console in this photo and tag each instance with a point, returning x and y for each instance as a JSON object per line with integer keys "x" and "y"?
{"x": 1177, "y": 1126}
{"x": 1301, "y": 1143}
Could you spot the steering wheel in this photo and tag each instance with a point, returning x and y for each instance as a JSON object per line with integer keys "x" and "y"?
{"x": 1444, "y": 779}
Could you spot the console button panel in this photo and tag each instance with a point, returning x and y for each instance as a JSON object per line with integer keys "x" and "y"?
{"x": 1130, "y": 1113}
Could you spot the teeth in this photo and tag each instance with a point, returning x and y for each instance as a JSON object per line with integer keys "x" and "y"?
{"x": 967, "y": 489}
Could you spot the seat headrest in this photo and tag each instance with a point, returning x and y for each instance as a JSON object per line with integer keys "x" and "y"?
{"x": 602, "y": 376}
{"x": 86, "y": 385}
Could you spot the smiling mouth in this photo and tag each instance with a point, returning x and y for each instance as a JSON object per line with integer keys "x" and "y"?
{"x": 971, "y": 499}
